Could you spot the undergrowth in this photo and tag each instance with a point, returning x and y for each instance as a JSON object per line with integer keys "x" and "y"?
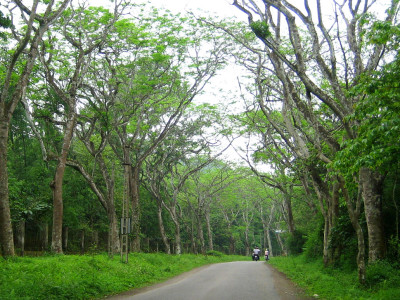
{"x": 382, "y": 279}
{"x": 91, "y": 276}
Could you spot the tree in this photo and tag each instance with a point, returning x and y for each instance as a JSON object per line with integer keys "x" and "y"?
{"x": 153, "y": 89}
{"x": 184, "y": 152}
{"x": 204, "y": 187}
{"x": 346, "y": 59}
{"x": 28, "y": 175}
{"x": 84, "y": 34}
{"x": 107, "y": 197}
{"x": 375, "y": 148}
{"x": 18, "y": 66}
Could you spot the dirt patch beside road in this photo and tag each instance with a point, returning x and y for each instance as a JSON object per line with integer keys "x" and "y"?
{"x": 285, "y": 287}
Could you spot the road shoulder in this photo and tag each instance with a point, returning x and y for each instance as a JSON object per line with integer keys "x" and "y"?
{"x": 287, "y": 290}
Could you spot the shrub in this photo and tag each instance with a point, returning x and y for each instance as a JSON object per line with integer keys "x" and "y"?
{"x": 394, "y": 249}
{"x": 295, "y": 242}
{"x": 214, "y": 253}
{"x": 343, "y": 243}
{"x": 382, "y": 273}
{"x": 314, "y": 245}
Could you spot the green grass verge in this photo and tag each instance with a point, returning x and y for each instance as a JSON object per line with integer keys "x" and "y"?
{"x": 92, "y": 276}
{"x": 382, "y": 280}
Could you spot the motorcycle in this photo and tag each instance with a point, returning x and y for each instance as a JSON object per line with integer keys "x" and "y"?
{"x": 256, "y": 257}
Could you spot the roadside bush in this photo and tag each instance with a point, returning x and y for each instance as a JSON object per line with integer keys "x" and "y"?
{"x": 331, "y": 283}
{"x": 382, "y": 273}
{"x": 343, "y": 243}
{"x": 394, "y": 250}
{"x": 295, "y": 242}
{"x": 313, "y": 247}
{"x": 214, "y": 253}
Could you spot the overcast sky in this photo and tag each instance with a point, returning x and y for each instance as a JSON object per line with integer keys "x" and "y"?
{"x": 218, "y": 7}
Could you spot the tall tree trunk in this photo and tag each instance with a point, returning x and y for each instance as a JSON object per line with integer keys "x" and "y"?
{"x": 65, "y": 238}
{"x": 193, "y": 242}
{"x": 231, "y": 237}
{"x": 113, "y": 232}
{"x": 360, "y": 254}
{"x": 95, "y": 237}
{"x": 6, "y": 232}
{"x": 396, "y": 207}
{"x": 232, "y": 244}
{"x": 83, "y": 241}
{"x": 178, "y": 249}
{"x": 266, "y": 236}
{"x": 21, "y": 236}
{"x": 209, "y": 231}
{"x": 289, "y": 213}
{"x": 269, "y": 243}
{"x": 325, "y": 251}
{"x": 266, "y": 225}
{"x": 329, "y": 208}
{"x": 246, "y": 241}
{"x": 175, "y": 219}
{"x": 283, "y": 249}
{"x": 45, "y": 237}
{"x": 162, "y": 228}
{"x": 56, "y": 242}
{"x": 114, "y": 242}
{"x": 135, "y": 208}
{"x": 200, "y": 234}
{"x": 334, "y": 207}
{"x": 354, "y": 210}
{"x": 372, "y": 192}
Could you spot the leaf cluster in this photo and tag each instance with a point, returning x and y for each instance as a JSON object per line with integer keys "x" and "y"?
{"x": 261, "y": 29}
{"x": 5, "y": 22}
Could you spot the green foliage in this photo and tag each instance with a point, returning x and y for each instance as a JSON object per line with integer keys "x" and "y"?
{"x": 214, "y": 253}
{"x": 382, "y": 274}
{"x": 344, "y": 243}
{"x": 314, "y": 244}
{"x": 261, "y": 29}
{"x": 91, "y": 276}
{"x": 330, "y": 283}
{"x": 394, "y": 250}
{"x": 376, "y": 114}
{"x": 295, "y": 242}
{"x": 29, "y": 177}
{"x": 5, "y": 22}
{"x": 385, "y": 33}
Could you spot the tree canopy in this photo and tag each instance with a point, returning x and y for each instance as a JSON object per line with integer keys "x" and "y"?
{"x": 104, "y": 116}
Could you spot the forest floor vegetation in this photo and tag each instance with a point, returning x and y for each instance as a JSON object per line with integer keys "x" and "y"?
{"x": 93, "y": 276}
{"x": 382, "y": 279}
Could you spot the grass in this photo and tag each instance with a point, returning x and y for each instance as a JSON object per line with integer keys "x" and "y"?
{"x": 92, "y": 276}
{"x": 382, "y": 280}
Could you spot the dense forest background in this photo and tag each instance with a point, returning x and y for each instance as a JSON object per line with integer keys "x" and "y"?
{"x": 101, "y": 119}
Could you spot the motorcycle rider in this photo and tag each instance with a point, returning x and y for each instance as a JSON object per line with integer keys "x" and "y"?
{"x": 266, "y": 254}
{"x": 257, "y": 251}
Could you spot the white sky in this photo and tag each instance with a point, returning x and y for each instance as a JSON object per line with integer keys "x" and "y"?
{"x": 226, "y": 79}
{"x": 223, "y": 8}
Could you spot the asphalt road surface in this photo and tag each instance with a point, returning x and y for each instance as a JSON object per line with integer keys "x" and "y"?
{"x": 233, "y": 280}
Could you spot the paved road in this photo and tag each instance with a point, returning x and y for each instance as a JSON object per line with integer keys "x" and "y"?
{"x": 233, "y": 280}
